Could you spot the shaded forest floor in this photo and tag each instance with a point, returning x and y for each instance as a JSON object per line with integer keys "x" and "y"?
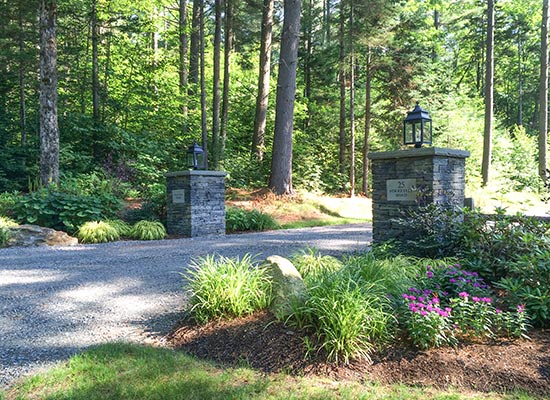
{"x": 260, "y": 342}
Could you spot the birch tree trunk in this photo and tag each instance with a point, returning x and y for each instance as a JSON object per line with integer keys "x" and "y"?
{"x": 49, "y": 132}
{"x": 260, "y": 119}
{"x": 281, "y": 165}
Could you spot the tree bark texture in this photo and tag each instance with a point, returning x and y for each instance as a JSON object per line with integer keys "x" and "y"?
{"x": 228, "y": 48}
{"x": 342, "y": 81}
{"x": 216, "y": 84}
{"x": 489, "y": 83}
{"x": 281, "y": 165}
{"x": 368, "y": 101}
{"x": 543, "y": 95}
{"x": 49, "y": 132}
{"x": 351, "y": 105}
{"x": 195, "y": 43}
{"x": 260, "y": 119}
{"x": 22, "y": 98}
{"x": 204, "y": 130}
{"x": 95, "y": 63}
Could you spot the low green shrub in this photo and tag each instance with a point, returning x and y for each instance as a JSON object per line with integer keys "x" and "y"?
{"x": 63, "y": 211}
{"x": 240, "y": 220}
{"x": 7, "y": 202}
{"x": 97, "y": 232}
{"x": 227, "y": 288}
{"x": 148, "y": 230}
{"x": 123, "y": 228}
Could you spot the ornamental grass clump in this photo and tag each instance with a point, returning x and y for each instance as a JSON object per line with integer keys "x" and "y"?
{"x": 123, "y": 228}
{"x": 97, "y": 232}
{"x": 227, "y": 288}
{"x": 148, "y": 230}
{"x": 311, "y": 264}
{"x": 349, "y": 319}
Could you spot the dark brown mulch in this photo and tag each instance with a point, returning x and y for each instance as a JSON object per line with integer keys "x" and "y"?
{"x": 262, "y": 343}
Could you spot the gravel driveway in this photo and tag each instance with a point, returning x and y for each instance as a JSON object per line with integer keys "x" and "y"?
{"x": 56, "y": 301}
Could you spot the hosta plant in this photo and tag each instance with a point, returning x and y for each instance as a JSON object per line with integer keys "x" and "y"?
{"x": 148, "y": 230}
{"x": 97, "y": 232}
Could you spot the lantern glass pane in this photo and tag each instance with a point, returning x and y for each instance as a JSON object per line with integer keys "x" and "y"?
{"x": 200, "y": 161}
{"x": 190, "y": 159}
{"x": 428, "y": 131}
{"x": 409, "y": 137}
{"x": 417, "y": 132}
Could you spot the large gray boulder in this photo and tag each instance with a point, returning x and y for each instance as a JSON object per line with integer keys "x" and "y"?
{"x": 288, "y": 285}
{"x": 34, "y": 235}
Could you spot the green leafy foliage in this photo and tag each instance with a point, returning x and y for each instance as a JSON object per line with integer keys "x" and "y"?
{"x": 240, "y": 220}
{"x": 97, "y": 232}
{"x": 227, "y": 287}
{"x": 63, "y": 211}
{"x": 148, "y": 230}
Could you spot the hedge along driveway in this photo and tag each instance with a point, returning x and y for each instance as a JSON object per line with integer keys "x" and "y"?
{"x": 56, "y": 301}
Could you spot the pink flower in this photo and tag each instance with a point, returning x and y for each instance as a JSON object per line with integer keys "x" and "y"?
{"x": 521, "y": 308}
{"x": 497, "y": 310}
{"x": 463, "y": 294}
{"x": 486, "y": 299}
{"x": 476, "y": 299}
{"x": 430, "y": 274}
{"x": 423, "y": 313}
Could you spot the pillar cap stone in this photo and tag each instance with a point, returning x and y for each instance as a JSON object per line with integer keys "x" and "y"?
{"x": 421, "y": 152}
{"x": 195, "y": 172}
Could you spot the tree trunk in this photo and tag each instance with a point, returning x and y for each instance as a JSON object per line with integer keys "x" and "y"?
{"x": 351, "y": 105}
{"x": 49, "y": 133}
{"x": 216, "y": 85}
{"x": 368, "y": 101}
{"x": 228, "y": 48}
{"x": 281, "y": 165}
{"x": 543, "y": 95}
{"x": 183, "y": 48}
{"x": 195, "y": 44}
{"x": 260, "y": 119}
{"x": 104, "y": 98}
{"x": 489, "y": 81}
{"x": 520, "y": 80}
{"x": 342, "y": 80}
{"x": 204, "y": 130}
{"x": 22, "y": 99}
{"x": 95, "y": 63}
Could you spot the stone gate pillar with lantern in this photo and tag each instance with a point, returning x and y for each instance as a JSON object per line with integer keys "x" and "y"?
{"x": 407, "y": 180}
{"x": 195, "y": 198}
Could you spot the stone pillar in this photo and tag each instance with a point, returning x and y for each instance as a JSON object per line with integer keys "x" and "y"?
{"x": 409, "y": 179}
{"x": 195, "y": 202}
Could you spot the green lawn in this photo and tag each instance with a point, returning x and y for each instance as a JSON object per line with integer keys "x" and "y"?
{"x": 123, "y": 371}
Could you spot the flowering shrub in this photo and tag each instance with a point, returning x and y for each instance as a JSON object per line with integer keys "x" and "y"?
{"x": 452, "y": 303}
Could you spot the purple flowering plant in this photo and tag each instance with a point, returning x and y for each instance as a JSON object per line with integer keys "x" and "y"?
{"x": 451, "y": 303}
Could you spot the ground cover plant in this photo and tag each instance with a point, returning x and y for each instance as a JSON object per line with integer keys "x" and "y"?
{"x": 241, "y": 220}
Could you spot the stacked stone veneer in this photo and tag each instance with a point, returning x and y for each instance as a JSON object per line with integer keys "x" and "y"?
{"x": 195, "y": 203}
{"x": 406, "y": 180}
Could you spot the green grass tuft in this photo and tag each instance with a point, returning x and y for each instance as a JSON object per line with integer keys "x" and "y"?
{"x": 148, "y": 230}
{"x": 97, "y": 232}
{"x": 227, "y": 287}
{"x": 311, "y": 264}
{"x": 123, "y": 228}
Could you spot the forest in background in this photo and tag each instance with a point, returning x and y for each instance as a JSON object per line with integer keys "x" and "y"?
{"x": 139, "y": 81}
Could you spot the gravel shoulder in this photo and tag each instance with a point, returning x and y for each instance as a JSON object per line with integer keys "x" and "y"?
{"x": 57, "y": 301}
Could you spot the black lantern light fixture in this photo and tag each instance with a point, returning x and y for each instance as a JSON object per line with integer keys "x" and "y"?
{"x": 417, "y": 127}
{"x": 195, "y": 157}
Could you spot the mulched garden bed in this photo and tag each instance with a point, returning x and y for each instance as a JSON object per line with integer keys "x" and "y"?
{"x": 262, "y": 343}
